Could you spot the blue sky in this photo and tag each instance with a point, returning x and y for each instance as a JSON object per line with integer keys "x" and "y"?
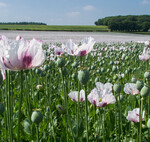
{"x": 69, "y": 12}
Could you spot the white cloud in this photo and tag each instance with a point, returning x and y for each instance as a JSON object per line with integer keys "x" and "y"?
{"x": 73, "y": 14}
{"x": 145, "y": 2}
{"x": 2, "y": 4}
{"x": 88, "y": 8}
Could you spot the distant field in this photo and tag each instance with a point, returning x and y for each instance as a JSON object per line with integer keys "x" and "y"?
{"x": 145, "y": 33}
{"x": 55, "y": 28}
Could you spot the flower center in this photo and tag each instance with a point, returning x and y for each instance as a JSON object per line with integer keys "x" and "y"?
{"x": 27, "y": 60}
{"x": 100, "y": 99}
{"x": 83, "y": 53}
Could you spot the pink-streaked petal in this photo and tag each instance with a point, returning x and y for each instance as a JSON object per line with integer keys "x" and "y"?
{"x": 74, "y": 96}
{"x": 130, "y": 88}
{"x": 82, "y": 95}
{"x": 134, "y": 115}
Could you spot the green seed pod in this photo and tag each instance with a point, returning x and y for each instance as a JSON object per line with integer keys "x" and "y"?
{"x": 117, "y": 88}
{"x": 126, "y": 71}
{"x": 114, "y": 68}
{"x": 144, "y": 91}
{"x": 147, "y": 75}
{"x": 27, "y": 127}
{"x": 115, "y": 77}
{"x": 126, "y": 58}
{"x": 61, "y": 109}
{"x": 148, "y": 123}
{"x": 60, "y": 62}
{"x": 139, "y": 84}
{"x": 102, "y": 70}
{"x": 36, "y": 117}
{"x": 108, "y": 70}
{"x": 83, "y": 76}
{"x": 109, "y": 80}
{"x": 97, "y": 79}
{"x": 93, "y": 67}
{"x": 133, "y": 80}
{"x": 2, "y": 109}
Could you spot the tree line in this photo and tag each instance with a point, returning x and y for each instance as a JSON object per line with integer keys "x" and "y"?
{"x": 128, "y": 23}
{"x": 22, "y": 23}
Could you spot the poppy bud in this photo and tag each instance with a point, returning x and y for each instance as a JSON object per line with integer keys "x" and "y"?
{"x": 148, "y": 123}
{"x": 133, "y": 80}
{"x": 123, "y": 56}
{"x": 27, "y": 126}
{"x": 147, "y": 75}
{"x": 83, "y": 76}
{"x": 117, "y": 88}
{"x": 144, "y": 91}
{"x": 36, "y": 117}
{"x": 114, "y": 68}
{"x": 139, "y": 84}
{"x": 102, "y": 70}
{"x": 60, "y": 62}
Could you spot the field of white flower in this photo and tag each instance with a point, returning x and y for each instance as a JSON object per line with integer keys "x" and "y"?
{"x": 86, "y": 92}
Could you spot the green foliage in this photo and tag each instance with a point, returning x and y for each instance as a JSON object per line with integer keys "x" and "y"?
{"x": 128, "y": 23}
{"x": 105, "y": 124}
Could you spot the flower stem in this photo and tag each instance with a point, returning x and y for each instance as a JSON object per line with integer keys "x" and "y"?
{"x": 65, "y": 103}
{"x": 141, "y": 112}
{"x": 20, "y": 103}
{"x": 78, "y": 110}
{"x": 48, "y": 92}
{"x": 8, "y": 101}
{"x": 148, "y": 108}
{"x": 86, "y": 115}
{"x": 37, "y": 132}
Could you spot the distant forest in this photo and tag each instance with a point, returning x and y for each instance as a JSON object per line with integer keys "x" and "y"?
{"x": 22, "y": 23}
{"x": 128, "y": 23}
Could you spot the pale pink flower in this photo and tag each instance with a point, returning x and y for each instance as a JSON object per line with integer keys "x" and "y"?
{"x": 71, "y": 47}
{"x": 145, "y": 55}
{"x": 147, "y": 43}
{"x": 74, "y": 96}
{"x": 19, "y": 37}
{"x": 3, "y": 41}
{"x": 134, "y": 115}
{"x": 59, "y": 50}
{"x": 102, "y": 95}
{"x": 85, "y": 47}
{"x": 130, "y": 88}
{"x": 20, "y": 54}
{"x": 104, "y": 87}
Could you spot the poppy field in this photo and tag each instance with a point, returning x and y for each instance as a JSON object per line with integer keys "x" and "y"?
{"x": 74, "y": 92}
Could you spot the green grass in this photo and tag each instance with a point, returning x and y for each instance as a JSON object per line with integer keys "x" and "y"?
{"x": 55, "y": 28}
